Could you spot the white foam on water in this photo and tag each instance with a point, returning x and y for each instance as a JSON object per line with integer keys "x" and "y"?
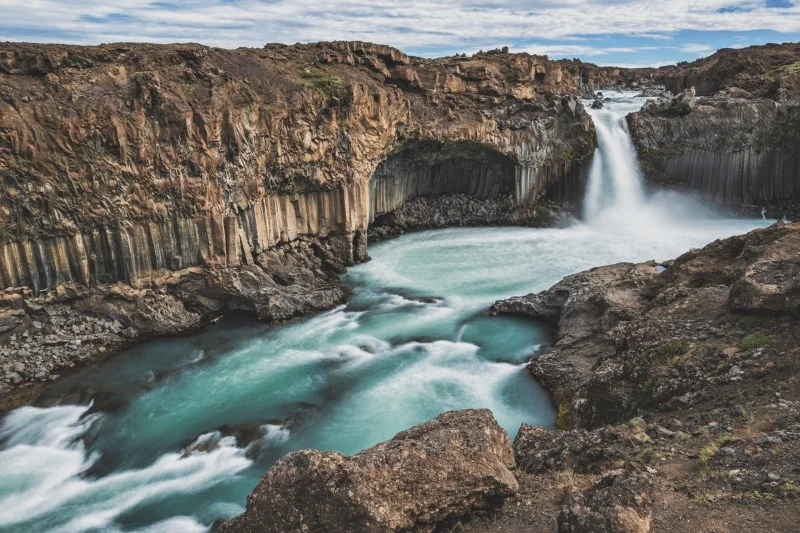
{"x": 43, "y": 458}
{"x": 276, "y": 433}
{"x": 181, "y": 524}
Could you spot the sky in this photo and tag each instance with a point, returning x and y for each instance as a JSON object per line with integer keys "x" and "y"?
{"x": 607, "y": 32}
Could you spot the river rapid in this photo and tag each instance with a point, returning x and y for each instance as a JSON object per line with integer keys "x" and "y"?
{"x": 154, "y": 439}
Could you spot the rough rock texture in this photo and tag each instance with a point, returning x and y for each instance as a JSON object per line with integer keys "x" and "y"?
{"x": 464, "y": 210}
{"x": 633, "y": 337}
{"x": 130, "y": 163}
{"x": 619, "y": 502}
{"x": 585, "y": 307}
{"x": 452, "y": 465}
{"x": 768, "y": 71}
{"x": 541, "y": 451}
{"x": 736, "y": 152}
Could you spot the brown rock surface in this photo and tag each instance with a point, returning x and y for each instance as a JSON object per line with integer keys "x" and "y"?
{"x": 179, "y": 171}
{"x": 631, "y": 338}
{"x": 452, "y": 465}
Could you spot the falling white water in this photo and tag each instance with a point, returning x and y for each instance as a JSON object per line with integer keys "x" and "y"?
{"x": 615, "y": 181}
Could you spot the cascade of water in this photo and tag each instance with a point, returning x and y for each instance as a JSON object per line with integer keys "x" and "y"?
{"x": 615, "y": 181}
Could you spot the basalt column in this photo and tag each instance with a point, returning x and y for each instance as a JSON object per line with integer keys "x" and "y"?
{"x": 431, "y": 169}
{"x": 144, "y": 251}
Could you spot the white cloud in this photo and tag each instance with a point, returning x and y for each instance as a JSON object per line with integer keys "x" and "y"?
{"x": 410, "y": 25}
{"x": 572, "y": 50}
{"x": 694, "y": 48}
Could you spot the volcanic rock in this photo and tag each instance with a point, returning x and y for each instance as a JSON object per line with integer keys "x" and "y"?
{"x": 455, "y": 464}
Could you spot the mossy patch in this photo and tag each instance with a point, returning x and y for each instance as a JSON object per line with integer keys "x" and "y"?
{"x": 672, "y": 348}
{"x": 321, "y": 80}
{"x": 707, "y": 453}
{"x": 722, "y": 440}
{"x": 754, "y": 340}
{"x": 790, "y": 487}
{"x": 792, "y": 67}
{"x": 564, "y": 420}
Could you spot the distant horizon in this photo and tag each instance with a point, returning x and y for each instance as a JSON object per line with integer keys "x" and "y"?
{"x": 622, "y": 33}
{"x": 510, "y": 50}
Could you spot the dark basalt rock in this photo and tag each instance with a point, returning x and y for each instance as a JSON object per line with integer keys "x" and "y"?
{"x": 634, "y": 337}
{"x": 738, "y": 152}
{"x": 455, "y": 464}
{"x": 619, "y": 503}
{"x": 541, "y": 451}
{"x": 771, "y": 284}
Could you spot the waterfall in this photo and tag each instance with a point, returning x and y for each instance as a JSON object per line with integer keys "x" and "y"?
{"x": 615, "y": 181}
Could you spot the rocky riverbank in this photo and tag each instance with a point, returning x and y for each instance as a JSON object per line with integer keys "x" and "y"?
{"x": 49, "y": 334}
{"x": 676, "y": 385}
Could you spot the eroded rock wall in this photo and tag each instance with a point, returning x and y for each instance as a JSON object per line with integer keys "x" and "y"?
{"x": 120, "y": 162}
{"x": 141, "y": 252}
{"x": 736, "y": 152}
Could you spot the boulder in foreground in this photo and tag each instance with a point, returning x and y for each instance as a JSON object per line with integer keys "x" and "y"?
{"x": 453, "y": 465}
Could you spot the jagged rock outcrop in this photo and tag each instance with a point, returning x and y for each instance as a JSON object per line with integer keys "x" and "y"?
{"x": 767, "y": 71}
{"x": 632, "y": 337}
{"x": 128, "y": 163}
{"x": 453, "y": 465}
{"x": 736, "y": 152}
{"x": 584, "y": 307}
{"x": 619, "y": 503}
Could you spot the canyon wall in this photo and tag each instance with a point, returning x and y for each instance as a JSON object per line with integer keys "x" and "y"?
{"x": 736, "y": 152}
{"x": 122, "y": 162}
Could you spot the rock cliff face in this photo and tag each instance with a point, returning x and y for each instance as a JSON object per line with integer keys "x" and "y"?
{"x": 140, "y": 164}
{"x": 121, "y": 161}
{"x": 736, "y": 152}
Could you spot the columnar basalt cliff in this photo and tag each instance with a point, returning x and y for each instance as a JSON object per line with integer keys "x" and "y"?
{"x": 128, "y": 159}
{"x": 140, "y": 164}
{"x": 731, "y": 130}
{"x": 736, "y": 152}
